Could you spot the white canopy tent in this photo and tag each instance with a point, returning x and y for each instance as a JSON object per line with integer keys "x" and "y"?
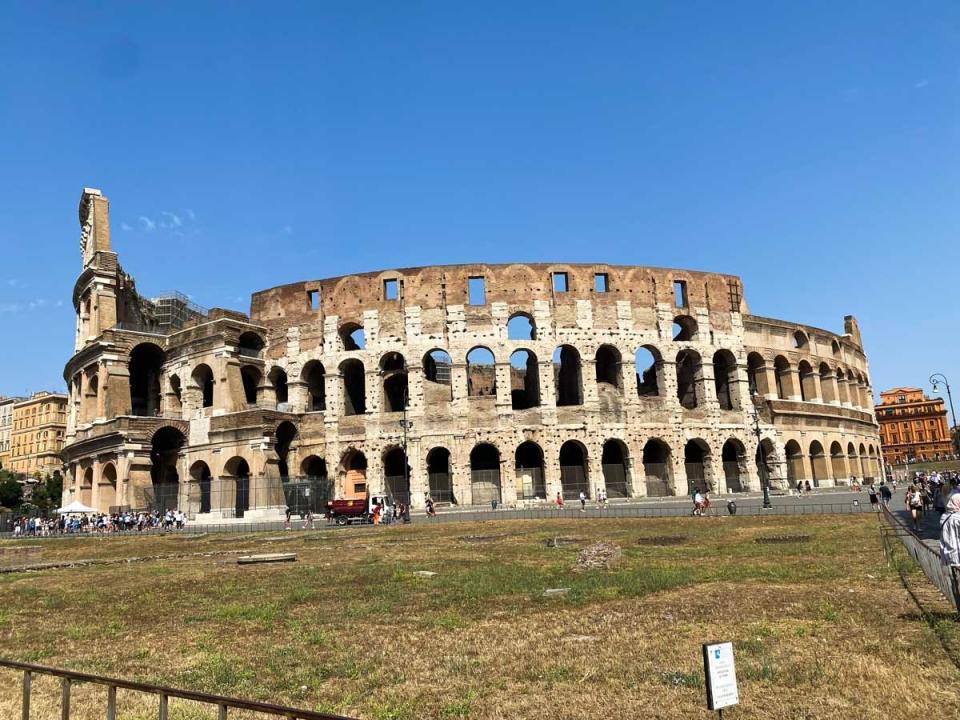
{"x": 76, "y": 507}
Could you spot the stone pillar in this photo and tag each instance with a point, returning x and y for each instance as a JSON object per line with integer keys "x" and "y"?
{"x": 297, "y": 395}
{"x": 460, "y": 471}
{"x": 595, "y": 470}
{"x": 504, "y": 399}
{"x": 415, "y": 389}
{"x": 508, "y": 482}
{"x": 817, "y": 389}
{"x": 770, "y": 375}
{"x": 373, "y": 390}
{"x": 588, "y": 379}
{"x": 419, "y": 480}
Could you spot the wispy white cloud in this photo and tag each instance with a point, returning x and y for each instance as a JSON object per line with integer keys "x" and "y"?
{"x": 148, "y": 224}
{"x": 125, "y": 227}
{"x": 170, "y": 220}
{"x": 14, "y": 308}
{"x": 921, "y": 83}
{"x": 11, "y": 307}
{"x": 13, "y": 282}
{"x": 286, "y": 230}
{"x": 190, "y": 213}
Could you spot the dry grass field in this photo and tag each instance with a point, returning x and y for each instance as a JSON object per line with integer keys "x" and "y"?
{"x": 822, "y": 626}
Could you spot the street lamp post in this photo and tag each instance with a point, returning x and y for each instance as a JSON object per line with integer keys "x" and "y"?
{"x": 936, "y": 379}
{"x": 764, "y": 480}
{"x": 406, "y": 425}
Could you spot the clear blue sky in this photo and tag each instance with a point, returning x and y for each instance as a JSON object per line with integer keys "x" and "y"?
{"x": 811, "y": 148}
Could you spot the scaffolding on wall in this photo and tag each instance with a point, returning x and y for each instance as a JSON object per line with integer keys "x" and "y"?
{"x": 174, "y": 310}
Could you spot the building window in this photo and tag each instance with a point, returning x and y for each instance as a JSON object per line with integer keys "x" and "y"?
{"x": 476, "y": 291}
{"x": 601, "y": 283}
{"x": 680, "y": 293}
{"x": 313, "y": 299}
{"x": 560, "y": 282}
{"x": 391, "y": 289}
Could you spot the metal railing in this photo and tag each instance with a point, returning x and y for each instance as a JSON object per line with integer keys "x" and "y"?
{"x": 945, "y": 577}
{"x": 164, "y": 694}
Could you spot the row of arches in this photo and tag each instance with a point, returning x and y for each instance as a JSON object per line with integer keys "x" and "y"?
{"x": 817, "y": 465}
{"x": 786, "y": 381}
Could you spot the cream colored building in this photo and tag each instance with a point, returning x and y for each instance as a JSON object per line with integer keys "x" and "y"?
{"x": 632, "y": 380}
{"x": 39, "y": 424}
{"x": 6, "y": 425}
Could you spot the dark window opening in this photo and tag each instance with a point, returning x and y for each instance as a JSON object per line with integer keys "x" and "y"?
{"x": 567, "y": 376}
{"x": 601, "y": 282}
{"x": 391, "y": 289}
{"x": 680, "y": 293}
{"x": 524, "y": 380}
{"x": 354, "y": 388}
{"x": 560, "y": 282}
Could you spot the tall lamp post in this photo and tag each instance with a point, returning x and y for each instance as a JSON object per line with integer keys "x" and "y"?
{"x": 936, "y": 380}
{"x": 764, "y": 480}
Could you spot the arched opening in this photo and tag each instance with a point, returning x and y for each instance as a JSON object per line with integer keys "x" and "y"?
{"x": 164, "y": 455}
{"x": 874, "y": 463}
{"x": 313, "y": 376}
{"x": 573, "y": 470}
{"x": 656, "y": 468}
{"x": 393, "y": 369}
{"x": 854, "y": 461}
{"x": 250, "y": 345}
{"x": 567, "y": 376}
{"x": 684, "y": 328}
{"x": 524, "y": 380}
{"x": 783, "y": 371}
{"x": 608, "y": 367}
{"x": 696, "y": 459}
{"x": 808, "y": 384}
{"x": 278, "y": 381}
{"x": 528, "y": 464}
{"x": 818, "y": 463}
{"x": 86, "y": 487}
{"x": 795, "y": 471}
{"x": 828, "y": 384}
{"x": 437, "y": 384}
{"x": 616, "y": 472}
{"x": 689, "y": 375}
{"x": 835, "y": 347}
{"x": 352, "y": 337}
{"x": 842, "y": 391}
{"x": 146, "y": 361}
{"x": 396, "y": 476}
{"x": 238, "y": 470}
{"x": 354, "y": 387}
{"x": 757, "y": 374}
{"x": 864, "y": 462}
{"x": 202, "y": 377}
{"x": 310, "y": 491}
{"x": 765, "y": 460}
{"x": 799, "y": 339}
{"x": 838, "y": 463}
{"x": 200, "y": 493}
{"x": 251, "y": 381}
{"x": 733, "y": 455}
{"x": 649, "y": 369}
{"x": 481, "y": 373}
{"x": 853, "y": 389}
{"x": 108, "y": 489}
{"x": 284, "y": 437}
{"x": 438, "y": 475}
{"x": 725, "y": 379}
{"x": 175, "y": 396}
{"x": 354, "y": 468}
{"x": 521, "y": 326}
{"x": 485, "y": 474}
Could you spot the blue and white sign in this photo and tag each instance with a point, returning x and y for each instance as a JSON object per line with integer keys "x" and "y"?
{"x": 721, "y": 675}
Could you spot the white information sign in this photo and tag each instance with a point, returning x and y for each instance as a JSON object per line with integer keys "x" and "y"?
{"x": 721, "y": 676}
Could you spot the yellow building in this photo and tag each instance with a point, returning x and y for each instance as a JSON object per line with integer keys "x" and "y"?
{"x": 39, "y": 423}
{"x": 6, "y": 425}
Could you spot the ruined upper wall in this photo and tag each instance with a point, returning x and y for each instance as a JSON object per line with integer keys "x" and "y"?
{"x": 517, "y": 285}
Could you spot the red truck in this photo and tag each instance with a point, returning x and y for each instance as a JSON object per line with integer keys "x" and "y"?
{"x": 359, "y": 510}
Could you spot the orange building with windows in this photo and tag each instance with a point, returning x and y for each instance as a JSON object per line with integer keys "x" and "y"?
{"x": 913, "y": 427}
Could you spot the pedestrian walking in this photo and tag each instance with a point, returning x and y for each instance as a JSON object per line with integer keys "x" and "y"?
{"x": 950, "y": 532}
{"x": 559, "y": 501}
{"x": 583, "y": 501}
{"x": 874, "y": 500}
{"x": 914, "y": 503}
{"x": 885, "y": 495}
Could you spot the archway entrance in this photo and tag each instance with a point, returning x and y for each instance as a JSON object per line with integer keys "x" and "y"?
{"x": 396, "y": 476}
{"x": 200, "y": 495}
{"x": 146, "y": 361}
{"x": 573, "y": 470}
{"x": 354, "y": 468}
{"x": 656, "y": 468}
{"x": 108, "y": 489}
{"x": 164, "y": 454}
{"x": 238, "y": 470}
{"x": 528, "y": 465}
{"x": 696, "y": 456}
{"x": 732, "y": 455}
{"x": 616, "y": 474}
{"x": 438, "y": 473}
{"x": 485, "y": 474}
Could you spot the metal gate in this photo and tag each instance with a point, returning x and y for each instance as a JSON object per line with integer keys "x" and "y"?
{"x": 205, "y": 495}
{"x": 531, "y": 483}
{"x": 573, "y": 480}
{"x": 305, "y": 494}
{"x": 243, "y": 496}
{"x": 486, "y": 486}
{"x": 398, "y": 488}
{"x": 164, "y": 496}
{"x": 695, "y": 478}
{"x": 658, "y": 480}
{"x": 615, "y": 477}
{"x": 731, "y": 472}
{"x": 441, "y": 487}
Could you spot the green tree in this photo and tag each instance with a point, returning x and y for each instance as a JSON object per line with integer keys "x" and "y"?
{"x": 11, "y": 493}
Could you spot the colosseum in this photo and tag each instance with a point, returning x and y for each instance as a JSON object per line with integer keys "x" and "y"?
{"x": 465, "y": 383}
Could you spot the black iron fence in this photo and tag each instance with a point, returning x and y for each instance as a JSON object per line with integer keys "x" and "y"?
{"x": 161, "y": 694}
{"x": 945, "y": 577}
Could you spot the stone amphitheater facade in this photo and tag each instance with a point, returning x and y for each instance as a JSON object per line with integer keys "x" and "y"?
{"x": 497, "y": 382}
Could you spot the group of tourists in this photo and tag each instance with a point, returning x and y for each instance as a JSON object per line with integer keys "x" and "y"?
{"x": 99, "y": 523}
